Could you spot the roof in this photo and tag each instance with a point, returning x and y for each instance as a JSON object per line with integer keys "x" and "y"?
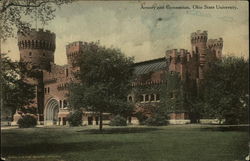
{"x": 149, "y": 66}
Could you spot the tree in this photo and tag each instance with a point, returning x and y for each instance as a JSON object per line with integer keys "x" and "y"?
{"x": 225, "y": 90}
{"x": 16, "y": 93}
{"x": 105, "y": 75}
{"x": 19, "y": 14}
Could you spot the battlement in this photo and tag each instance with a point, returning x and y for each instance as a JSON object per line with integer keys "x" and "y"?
{"x": 176, "y": 53}
{"x": 36, "y": 39}
{"x": 215, "y": 43}
{"x": 40, "y": 32}
{"x": 75, "y": 43}
{"x": 199, "y": 36}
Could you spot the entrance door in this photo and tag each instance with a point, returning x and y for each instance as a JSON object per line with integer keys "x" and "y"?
{"x": 90, "y": 120}
{"x": 51, "y": 112}
{"x": 64, "y": 120}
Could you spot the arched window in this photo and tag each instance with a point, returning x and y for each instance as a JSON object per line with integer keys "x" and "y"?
{"x": 147, "y": 97}
{"x": 30, "y": 54}
{"x": 141, "y": 98}
{"x": 48, "y": 90}
{"x": 130, "y": 99}
{"x": 152, "y": 97}
{"x": 64, "y": 103}
{"x": 196, "y": 50}
{"x": 60, "y": 103}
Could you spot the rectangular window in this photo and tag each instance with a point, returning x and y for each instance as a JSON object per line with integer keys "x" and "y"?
{"x": 147, "y": 98}
{"x": 48, "y": 89}
{"x": 67, "y": 72}
{"x": 157, "y": 97}
{"x": 171, "y": 95}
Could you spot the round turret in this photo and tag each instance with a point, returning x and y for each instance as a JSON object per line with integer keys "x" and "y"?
{"x": 37, "y": 47}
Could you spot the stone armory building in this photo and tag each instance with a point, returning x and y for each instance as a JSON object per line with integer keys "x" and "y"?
{"x": 38, "y": 47}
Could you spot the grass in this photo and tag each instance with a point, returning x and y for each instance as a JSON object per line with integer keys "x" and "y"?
{"x": 169, "y": 143}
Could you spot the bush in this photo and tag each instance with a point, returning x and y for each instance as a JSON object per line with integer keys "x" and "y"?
{"x": 27, "y": 121}
{"x": 118, "y": 121}
{"x": 141, "y": 117}
{"x": 157, "y": 120}
{"x": 75, "y": 119}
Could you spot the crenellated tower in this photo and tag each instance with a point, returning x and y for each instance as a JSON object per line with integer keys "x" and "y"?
{"x": 199, "y": 49}
{"x": 215, "y": 47}
{"x": 73, "y": 51}
{"x": 37, "y": 47}
{"x": 178, "y": 60}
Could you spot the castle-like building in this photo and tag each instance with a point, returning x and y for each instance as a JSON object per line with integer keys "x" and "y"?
{"x": 38, "y": 47}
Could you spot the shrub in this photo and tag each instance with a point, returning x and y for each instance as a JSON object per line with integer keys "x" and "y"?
{"x": 141, "y": 117}
{"x": 27, "y": 121}
{"x": 118, "y": 121}
{"x": 157, "y": 120}
{"x": 75, "y": 119}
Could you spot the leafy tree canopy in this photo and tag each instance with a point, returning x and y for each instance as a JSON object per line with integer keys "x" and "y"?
{"x": 16, "y": 93}
{"x": 225, "y": 90}
{"x": 105, "y": 75}
{"x": 18, "y": 14}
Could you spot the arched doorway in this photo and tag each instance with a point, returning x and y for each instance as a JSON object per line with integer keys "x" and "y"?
{"x": 51, "y": 112}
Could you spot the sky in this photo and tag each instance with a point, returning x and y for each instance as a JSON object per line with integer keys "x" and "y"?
{"x": 143, "y": 32}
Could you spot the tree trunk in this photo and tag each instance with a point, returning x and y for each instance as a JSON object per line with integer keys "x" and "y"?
{"x": 100, "y": 125}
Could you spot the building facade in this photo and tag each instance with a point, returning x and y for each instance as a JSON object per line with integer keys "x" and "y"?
{"x": 37, "y": 47}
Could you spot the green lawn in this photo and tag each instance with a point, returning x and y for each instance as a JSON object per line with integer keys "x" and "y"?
{"x": 169, "y": 143}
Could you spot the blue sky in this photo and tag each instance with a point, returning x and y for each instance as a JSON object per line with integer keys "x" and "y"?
{"x": 145, "y": 33}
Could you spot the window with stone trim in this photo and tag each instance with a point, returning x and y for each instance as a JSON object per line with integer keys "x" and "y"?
{"x": 65, "y": 103}
{"x": 171, "y": 95}
{"x": 146, "y": 97}
{"x": 130, "y": 99}
{"x": 67, "y": 72}
{"x": 152, "y": 97}
{"x": 157, "y": 97}
{"x": 141, "y": 98}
